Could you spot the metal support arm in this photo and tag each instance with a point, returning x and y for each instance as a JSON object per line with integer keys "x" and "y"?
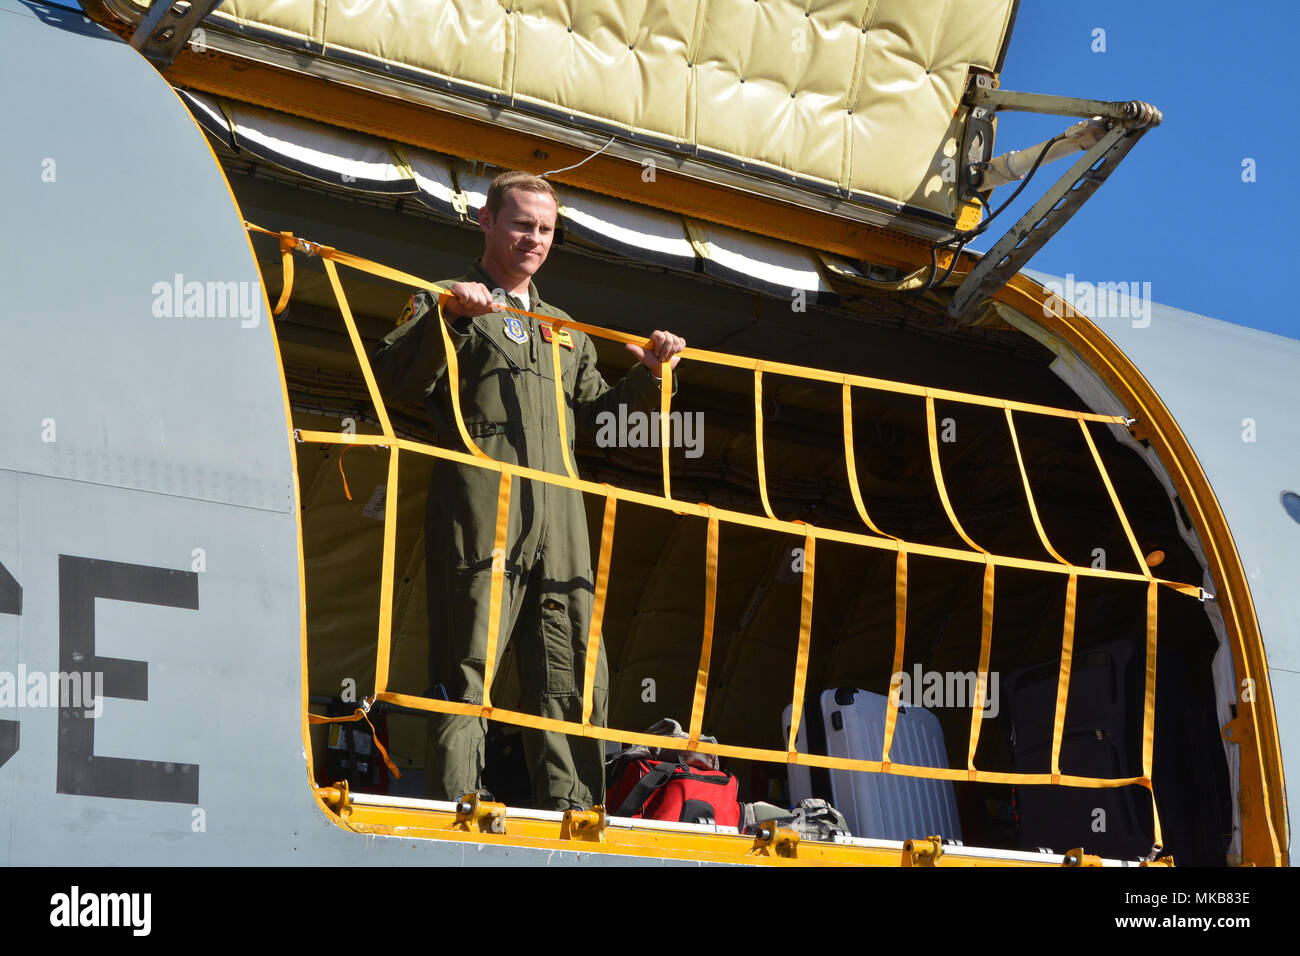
{"x": 1127, "y": 122}
{"x": 167, "y": 27}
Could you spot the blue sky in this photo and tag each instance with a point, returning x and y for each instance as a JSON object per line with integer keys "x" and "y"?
{"x": 1176, "y": 212}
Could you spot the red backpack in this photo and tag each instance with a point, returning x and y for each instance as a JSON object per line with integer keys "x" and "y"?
{"x": 685, "y": 788}
{"x": 668, "y": 790}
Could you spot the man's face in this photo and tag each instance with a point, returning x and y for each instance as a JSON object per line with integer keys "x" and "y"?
{"x": 518, "y": 238}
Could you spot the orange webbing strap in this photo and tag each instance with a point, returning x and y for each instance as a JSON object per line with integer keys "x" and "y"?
{"x": 453, "y": 381}
{"x": 900, "y": 634}
{"x": 1149, "y": 706}
{"x": 758, "y": 439}
{"x": 678, "y": 506}
{"x": 598, "y": 604}
{"x": 346, "y": 490}
{"x": 704, "y": 355}
{"x": 1029, "y": 494}
{"x": 561, "y": 413}
{"x": 665, "y": 407}
{"x": 385, "y": 425}
{"x": 986, "y": 643}
{"x": 706, "y": 648}
{"x": 1114, "y": 500}
{"x": 805, "y": 633}
{"x": 851, "y": 462}
{"x": 1063, "y": 678}
{"x": 374, "y": 268}
{"x": 714, "y": 516}
{"x": 287, "y": 245}
{"x": 494, "y": 597}
{"x": 1158, "y": 832}
{"x": 359, "y": 715}
{"x": 938, "y": 473}
{"x": 386, "y": 580}
{"x": 535, "y": 722}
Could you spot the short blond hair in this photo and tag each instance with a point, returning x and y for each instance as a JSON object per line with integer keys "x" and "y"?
{"x": 517, "y": 179}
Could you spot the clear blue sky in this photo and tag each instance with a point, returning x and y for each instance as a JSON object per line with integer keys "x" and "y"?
{"x": 1176, "y": 212}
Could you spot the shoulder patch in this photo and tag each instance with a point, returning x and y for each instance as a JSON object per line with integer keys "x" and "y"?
{"x": 416, "y": 306}
{"x": 408, "y": 311}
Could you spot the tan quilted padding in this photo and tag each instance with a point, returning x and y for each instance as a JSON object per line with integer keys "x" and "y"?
{"x": 915, "y": 60}
{"x": 467, "y": 40}
{"x": 774, "y": 81}
{"x": 855, "y": 94}
{"x": 297, "y": 18}
{"x": 624, "y": 63}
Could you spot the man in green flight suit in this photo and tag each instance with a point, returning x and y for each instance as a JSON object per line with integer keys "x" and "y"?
{"x": 507, "y": 399}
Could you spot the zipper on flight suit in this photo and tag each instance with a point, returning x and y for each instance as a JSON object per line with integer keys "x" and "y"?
{"x": 515, "y": 369}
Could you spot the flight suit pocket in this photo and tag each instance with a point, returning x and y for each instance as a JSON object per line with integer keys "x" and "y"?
{"x": 557, "y": 636}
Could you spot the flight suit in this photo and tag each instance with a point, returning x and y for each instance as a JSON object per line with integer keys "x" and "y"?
{"x": 507, "y": 399}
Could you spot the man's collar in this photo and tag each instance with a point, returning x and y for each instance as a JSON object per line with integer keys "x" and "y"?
{"x": 534, "y": 299}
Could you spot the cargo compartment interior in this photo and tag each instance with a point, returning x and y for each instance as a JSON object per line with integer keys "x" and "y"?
{"x": 654, "y": 617}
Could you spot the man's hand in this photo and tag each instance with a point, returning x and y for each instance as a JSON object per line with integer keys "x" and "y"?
{"x": 470, "y": 299}
{"x": 664, "y": 347}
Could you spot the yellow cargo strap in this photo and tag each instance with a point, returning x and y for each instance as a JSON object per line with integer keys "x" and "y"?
{"x": 706, "y": 646}
{"x": 386, "y": 575}
{"x": 982, "y": 680}
{"x": 561, "y": 412}
{"x": 850, "y": 462}
{"x": 758, "y": 439}
{"x": 1114, "y": 499}
{"x": 287, "y": 245}
{"x": 900, "y": 634}
{"x": 1149, "y": 709}
{"x": 498, "y": 579}
{"x": 453, "y": 375}
{"x": 665, "y": 403}
{"x": 1029, "y": 493}
{"x": 932, "y": 434}
{"x": 598, "y": 604}
{"x": 1063, "y": 678}
{"x": 714, "y": 516}
{"x": 346, "y": 490}
{"x": 805, "y": 638}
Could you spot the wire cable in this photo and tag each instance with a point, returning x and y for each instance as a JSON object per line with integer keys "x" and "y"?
{"x": 961, "y": 238}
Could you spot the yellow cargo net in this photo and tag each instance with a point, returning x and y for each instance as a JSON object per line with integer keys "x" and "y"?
{"x": 878, "y": 539}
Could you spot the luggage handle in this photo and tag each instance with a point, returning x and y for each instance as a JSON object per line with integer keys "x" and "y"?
{"x": 652, "y": 781}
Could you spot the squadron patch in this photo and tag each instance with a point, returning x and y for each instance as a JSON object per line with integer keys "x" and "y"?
{"x": 407, "y": 312}
{"x": 566, "y": 338}
{"x": 515, "y": 330}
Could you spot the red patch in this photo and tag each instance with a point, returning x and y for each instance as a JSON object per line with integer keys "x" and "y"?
{"x": 566, "y": 338}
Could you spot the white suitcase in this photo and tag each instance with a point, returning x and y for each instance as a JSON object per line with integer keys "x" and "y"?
{"x": 878, "y": 805}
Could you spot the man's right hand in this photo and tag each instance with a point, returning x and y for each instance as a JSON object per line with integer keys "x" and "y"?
{"x": 470, "y": 299}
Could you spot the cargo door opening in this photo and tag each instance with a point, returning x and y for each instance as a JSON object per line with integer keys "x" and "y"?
{"x": 652, "y": 622}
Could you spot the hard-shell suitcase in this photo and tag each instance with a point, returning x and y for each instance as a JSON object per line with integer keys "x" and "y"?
{"x": 1099, "y": 739}
{"x": 883, "y": 806}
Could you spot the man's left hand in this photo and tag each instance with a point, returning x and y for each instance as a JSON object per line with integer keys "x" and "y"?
{"x": 663, "y": 348}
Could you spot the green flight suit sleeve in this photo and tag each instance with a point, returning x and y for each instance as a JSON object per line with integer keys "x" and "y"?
{"x": 638, "y": 389}
{"x": 412, "y": 358}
